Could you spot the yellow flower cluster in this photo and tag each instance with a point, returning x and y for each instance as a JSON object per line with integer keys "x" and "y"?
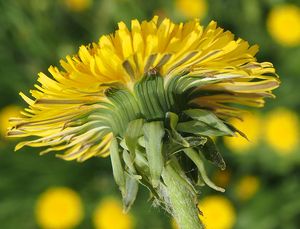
{"x": 280, "y": 131}
{"x": 61, "y": 208}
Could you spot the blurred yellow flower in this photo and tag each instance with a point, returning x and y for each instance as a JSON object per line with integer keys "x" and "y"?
{"x": 251, "y": 127}
{"x": 247, "y": 187}
{"x": 282, "y": 130}
{"x": 59, "y": 208}
{"x": 284, "y": 24}
{"x": 109, "y": 215}
{"x": 192, "y": 8}
{"x": 218, "y": 212}
{"x": 78, "y": 5}
{"x": 5, "y": 114}
{"x": 221, "y": 178}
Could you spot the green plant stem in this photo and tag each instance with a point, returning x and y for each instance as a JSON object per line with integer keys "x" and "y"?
{"x": 182, "y": 200}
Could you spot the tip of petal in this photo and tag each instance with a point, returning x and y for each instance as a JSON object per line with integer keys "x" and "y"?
{"x": 122, "y": 25}
{"x": 19, "y": 146}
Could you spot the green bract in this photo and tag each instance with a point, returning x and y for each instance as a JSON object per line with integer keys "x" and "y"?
{"x": 155, "y": 126}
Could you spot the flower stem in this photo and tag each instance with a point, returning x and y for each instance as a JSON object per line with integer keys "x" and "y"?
{"x": 182, "y": 200}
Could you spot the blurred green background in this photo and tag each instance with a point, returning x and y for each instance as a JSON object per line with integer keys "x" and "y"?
{"x": 262, "y": 179}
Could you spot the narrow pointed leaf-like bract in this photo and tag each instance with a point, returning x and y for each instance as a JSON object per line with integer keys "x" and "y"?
{"x": 210, "y": 119}
{"x": 196, "y": 158}
{"x": 173, "y": 120}
{"x": 118, "y": 170}
{"x": 133, "y": 132}
{"x": 153, "y": 133}
{"x": 198, "y": 128}
{"x": 132, "y": 187}
{"x": 211, "y": 153}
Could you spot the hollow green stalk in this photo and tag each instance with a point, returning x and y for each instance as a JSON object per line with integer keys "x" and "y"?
{"x": 182, "y": 201}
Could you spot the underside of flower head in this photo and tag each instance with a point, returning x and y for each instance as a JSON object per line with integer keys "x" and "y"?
{"x": 152, "y": 92}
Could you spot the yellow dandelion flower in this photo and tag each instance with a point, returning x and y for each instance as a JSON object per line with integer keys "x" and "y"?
{"x": 5, "y": 114}
{"x": 78, "y": 5}
{"x": 283, "y": 24}
{"x": 218, "y": 212}
{"x": 247, "y": 187}
{"x": 59, "y": 208}
{"x": 109, "y": 215}
{"x": 71, "y": 109}
{"x": 282, "y": 130}
{"x": 151, "y": 96}
{"x": 250, "y": 125}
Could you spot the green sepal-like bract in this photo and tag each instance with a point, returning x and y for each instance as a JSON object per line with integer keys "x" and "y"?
{"x": 153, "y": 135}
{"x": 154, "y": 127}
{"x": 117, "y": 167}
{"x": 132, "y": 134}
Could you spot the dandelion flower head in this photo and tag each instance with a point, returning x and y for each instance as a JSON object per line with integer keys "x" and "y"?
{"x": 151, "y": 96}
